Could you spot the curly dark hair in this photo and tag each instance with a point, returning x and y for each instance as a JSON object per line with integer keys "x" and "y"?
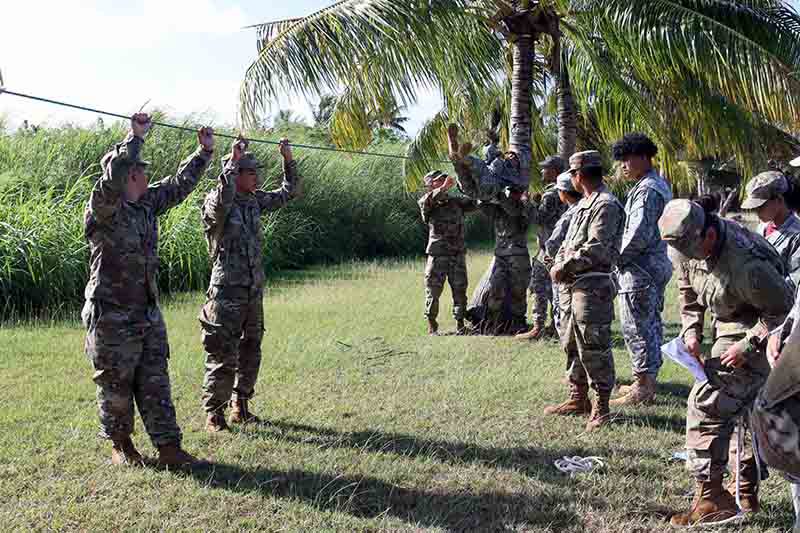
{"x": 633, "y": 144}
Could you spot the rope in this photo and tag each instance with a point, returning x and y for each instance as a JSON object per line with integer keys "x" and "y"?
{"x": 192, "y": 130}
{"x": 578, "y": 465}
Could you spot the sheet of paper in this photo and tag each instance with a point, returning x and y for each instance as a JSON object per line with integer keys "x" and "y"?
{"x": 676, "y": 350}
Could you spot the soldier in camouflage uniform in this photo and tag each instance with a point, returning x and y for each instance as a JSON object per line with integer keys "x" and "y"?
{"x": 766, "y": 195}
{"x": 446, "y": 250}
{"x": 583, "y": 269}
{"x": 739, "y": 277}
{"x": 775, "y": 418}
{"x": 644, "y": 269}
{"x": 508, "y": 206}
{"x": 544, "y": 213}
{"x": 127, "y": 339}
{"x": 232, "y": 319}
{"x": 570, "y": 198}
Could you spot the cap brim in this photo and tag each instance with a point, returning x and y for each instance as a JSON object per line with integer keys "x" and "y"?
{"x": 795, "y": 162}
{"x": 142, "y": 163}
{"x": 753, "y": 203}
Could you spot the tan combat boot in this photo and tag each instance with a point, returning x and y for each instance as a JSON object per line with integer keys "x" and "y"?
{"x": 711, "y": 505}
{"x": 433, "y": 327}
{"x": 601, "y": 415}
{"x": 533, "y": 334}
{"x": 240, "y": 414}
{"x": 748, "y": 487}
{"x": 578, "y": 403}
{"x": 124, "y": 453}
{"x": 172, "y": 455}
{"x": 215, "y": 422}
{"x": 643, "y": 391}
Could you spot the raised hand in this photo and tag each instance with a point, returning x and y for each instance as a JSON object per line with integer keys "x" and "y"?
{"x": 238, "y": 148}
{"x": 285, "y": 149}
{"x": 205, "y": 136}
{"x": 141, "y": 124}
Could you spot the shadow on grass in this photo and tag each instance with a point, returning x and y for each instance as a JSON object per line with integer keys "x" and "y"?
{"x": 373, "y": 498}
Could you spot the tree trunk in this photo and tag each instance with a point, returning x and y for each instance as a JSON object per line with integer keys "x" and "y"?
{"x": 726, "y": 205}
{"x": 521, "y": 102}
{"x": 567, "y": 115}
{"x": 698, "y": 170}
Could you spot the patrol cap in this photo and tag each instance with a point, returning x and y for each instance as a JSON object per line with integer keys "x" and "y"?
{"x": 681, "y": 220}
{"x": 795, "y": 162}
{"x": 553, "y": 161}
{"x": 763, "y": 187}
{"x": 249, "y": 161}
{"x": 432, "y": 176}
{"x": 564, "y": 182}
{"x": 586, "y": 159}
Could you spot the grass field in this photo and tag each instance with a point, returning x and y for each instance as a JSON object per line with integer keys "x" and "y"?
{"x": 373, "y": 427}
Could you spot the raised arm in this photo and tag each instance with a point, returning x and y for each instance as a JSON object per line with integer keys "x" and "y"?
{"x": 106, "y": 197}
{"x": 219, "y": 201}
{"x": 289, "y": 189}
{"x": 169, "y": 192}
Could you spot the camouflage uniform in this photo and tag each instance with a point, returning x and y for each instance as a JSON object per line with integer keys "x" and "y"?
{"x": 551, "y": 248}
{"x": 127, "y": 339}
{"x": 786, "y": 238}
{"x": 545, "y": 214}
{"x": 644, "y": 270}
{"x": 446, "y": 250}
{"x": 742, "y": 284}
{"x": 509, "y": 273}
{"x": 586, "y": 298}
{"x": 232, "y": 319}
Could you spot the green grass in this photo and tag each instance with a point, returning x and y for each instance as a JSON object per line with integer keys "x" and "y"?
{"x": 374, "y": 427}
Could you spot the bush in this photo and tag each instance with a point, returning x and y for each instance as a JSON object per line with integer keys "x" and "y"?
{"x": 353, "y": 207}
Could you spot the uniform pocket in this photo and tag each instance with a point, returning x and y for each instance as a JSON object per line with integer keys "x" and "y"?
{"x": 594, "y": 303}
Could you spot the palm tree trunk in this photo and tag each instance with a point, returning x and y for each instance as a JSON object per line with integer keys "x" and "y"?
{"x": 567, "y": 115}
{"x": 521, "y": 102}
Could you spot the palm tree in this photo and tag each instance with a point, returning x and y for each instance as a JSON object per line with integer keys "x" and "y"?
{"x": 324, "y": 110}
{"x": 672, "y": 68}
{"x": 391, "y": 119}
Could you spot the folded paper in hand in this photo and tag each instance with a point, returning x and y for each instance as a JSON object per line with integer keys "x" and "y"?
{"x": 676, "y": 350}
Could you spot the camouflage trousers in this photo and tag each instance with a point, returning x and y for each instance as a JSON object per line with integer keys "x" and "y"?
{"x": 587, "y": 310}
{"x": 452, "y": 268}
{"x": 714, "y": 408}
{"x": 642, "y": 328}
{"x": 129, "y": 353}
{"x": 232, "y": 324}
{"x": 509, "y": 282}
{"x": 541, "y": 288}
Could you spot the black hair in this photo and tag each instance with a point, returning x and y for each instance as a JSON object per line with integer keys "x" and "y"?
{"x": 710, "y": 205}
{"x": 593, "y": 174}
{"x": 792, "y": 194}
{"x": 633, "y": 144}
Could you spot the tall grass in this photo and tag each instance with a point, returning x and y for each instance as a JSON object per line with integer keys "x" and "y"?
{"x": 353, "y": 207}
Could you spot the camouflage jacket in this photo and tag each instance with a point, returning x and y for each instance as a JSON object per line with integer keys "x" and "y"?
{"x": 510, "y": 225}
{"x": 545, "y": 214}
{"x": 595, "y": 235}
{"x": 122, "y": 235}
{"x": 643, "y": 259}
{"x": 556, "y": 239}
{"x": 786, "y": 240}
{"x": 444, "y": 216}
{"x": 232, "y": 224}
{"x": 742, "y": 284}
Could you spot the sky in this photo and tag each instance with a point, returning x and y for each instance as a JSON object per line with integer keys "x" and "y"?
{"x": 185, "y": 56}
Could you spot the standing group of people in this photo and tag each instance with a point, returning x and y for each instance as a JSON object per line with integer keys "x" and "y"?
{"x": 126, "y": 339}
{"x": 595, "y": 250}
{"x": 592, "y": 248}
